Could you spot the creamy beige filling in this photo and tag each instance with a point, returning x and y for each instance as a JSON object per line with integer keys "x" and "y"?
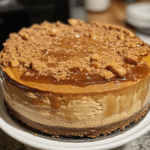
{"x": 82, "y": 110}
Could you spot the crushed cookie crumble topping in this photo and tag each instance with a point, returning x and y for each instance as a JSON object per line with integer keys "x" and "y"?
{"x": 60, "y": 50}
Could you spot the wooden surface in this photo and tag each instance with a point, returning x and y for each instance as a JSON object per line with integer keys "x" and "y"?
{"x": 114, "y": 15}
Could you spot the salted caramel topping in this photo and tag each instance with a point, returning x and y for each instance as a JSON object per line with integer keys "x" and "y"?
{"x": 78, "y": 54}
{"x": 84, "y": 79}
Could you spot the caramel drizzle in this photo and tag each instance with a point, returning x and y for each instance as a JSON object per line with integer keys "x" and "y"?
{"x": 81, "y": 79}
{"x": 72, "y": 49}
{"x": 76, "y": 78}
{"x": 84, "y": 79}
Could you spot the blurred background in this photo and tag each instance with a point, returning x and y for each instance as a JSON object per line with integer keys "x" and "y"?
{"x": 131, "y": 14}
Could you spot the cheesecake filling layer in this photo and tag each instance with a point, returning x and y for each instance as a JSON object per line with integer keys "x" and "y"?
{"x": 75, "y": 110}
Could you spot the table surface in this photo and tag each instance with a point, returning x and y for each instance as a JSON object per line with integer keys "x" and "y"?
{"x": 8, "y": 143}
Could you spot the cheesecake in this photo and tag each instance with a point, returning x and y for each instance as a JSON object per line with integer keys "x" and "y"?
{"x": 76, "y": 79}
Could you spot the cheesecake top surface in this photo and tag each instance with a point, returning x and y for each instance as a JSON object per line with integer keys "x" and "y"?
{"x": 88, "y": 56}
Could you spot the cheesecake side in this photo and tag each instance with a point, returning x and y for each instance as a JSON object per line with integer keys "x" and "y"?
{"x": 107, "y": 111}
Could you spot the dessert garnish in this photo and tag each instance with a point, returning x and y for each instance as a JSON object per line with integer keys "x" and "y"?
{"x": 75, "y": 54}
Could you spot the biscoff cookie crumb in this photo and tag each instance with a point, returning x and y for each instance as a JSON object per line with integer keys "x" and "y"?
{"x": 60, "y": 50}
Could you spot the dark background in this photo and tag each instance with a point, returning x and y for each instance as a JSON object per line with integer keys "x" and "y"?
{"x": 23, "y": 13}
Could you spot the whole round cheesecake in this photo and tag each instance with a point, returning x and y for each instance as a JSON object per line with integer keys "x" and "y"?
{"x": 77, "y": 79}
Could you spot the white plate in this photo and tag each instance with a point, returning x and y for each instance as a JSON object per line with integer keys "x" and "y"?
{"x": 138, "y": 15}
{"x": 139, "y": 11}
{"x": 137, "y": 22}
{"x": 12, "y": 129}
